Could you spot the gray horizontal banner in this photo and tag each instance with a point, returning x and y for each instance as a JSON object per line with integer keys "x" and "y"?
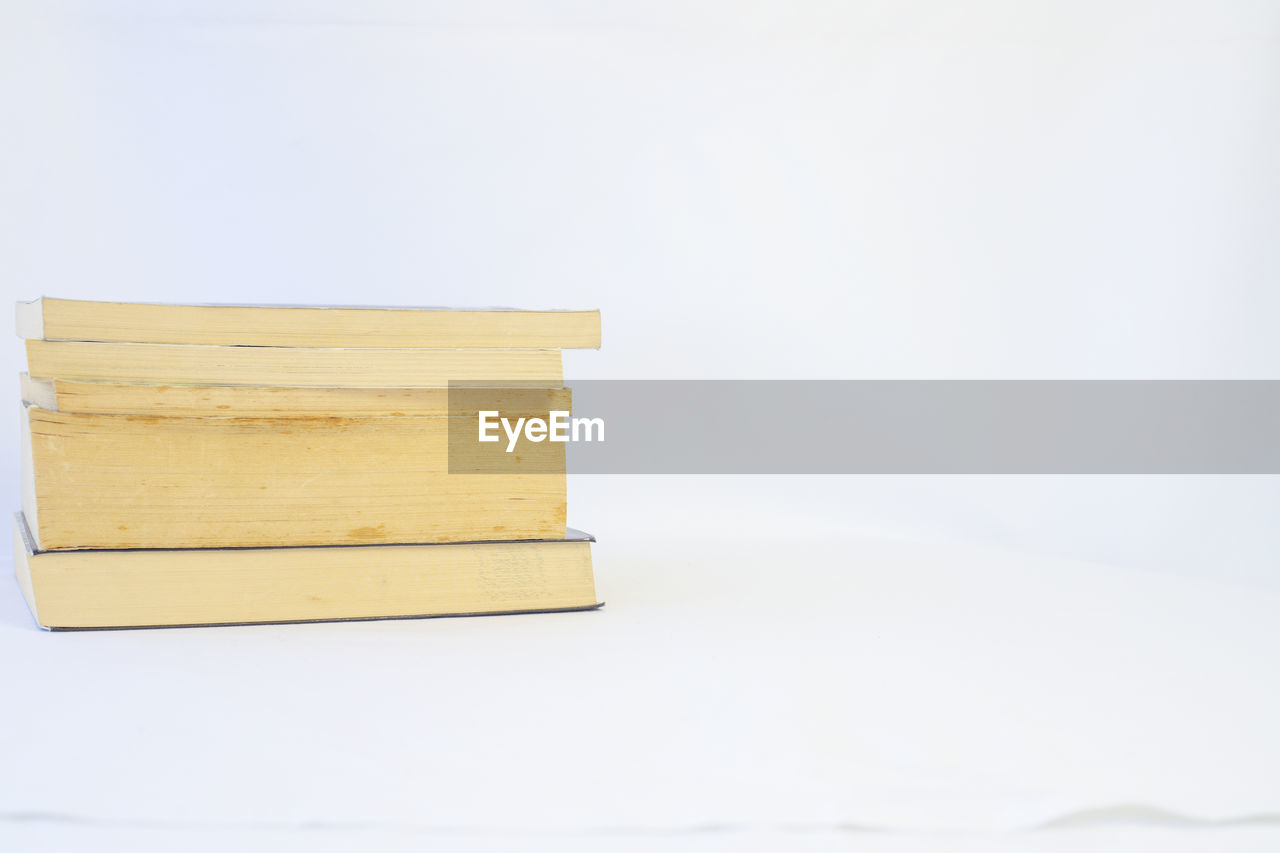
{"x": 889, "y": 427}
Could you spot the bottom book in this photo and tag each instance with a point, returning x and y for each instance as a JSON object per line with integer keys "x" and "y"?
{"x": 236, "y": 586}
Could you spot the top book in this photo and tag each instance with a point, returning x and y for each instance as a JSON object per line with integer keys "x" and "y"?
{"x": 306, "y": 326}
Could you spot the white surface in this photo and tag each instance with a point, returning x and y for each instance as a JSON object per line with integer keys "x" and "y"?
{"x": 842, "y": 679}
{"x": 39, "y": 838}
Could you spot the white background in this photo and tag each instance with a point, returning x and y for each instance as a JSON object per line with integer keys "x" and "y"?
{"x": 746, "y": 190}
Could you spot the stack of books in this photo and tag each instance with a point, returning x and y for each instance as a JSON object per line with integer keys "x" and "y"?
{"x": 215, "y": 464}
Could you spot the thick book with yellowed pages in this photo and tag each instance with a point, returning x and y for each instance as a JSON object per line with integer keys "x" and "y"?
{"x": 200, "y": 364}
{"x": 306, "y": 326}
{"x": 142, "y": 481}
{"x": 194, "y": 401}
{"x": 154, "y": 588}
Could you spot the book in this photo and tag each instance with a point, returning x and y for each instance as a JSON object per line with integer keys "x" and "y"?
{"x": 118, "y": 398}
{"x": 200, "y": 465}
{"x": 144, "y": 481}
{"x": 153, "y": 588}
{"x": 306, "y": 326}
{"x": 202, "y": 364}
